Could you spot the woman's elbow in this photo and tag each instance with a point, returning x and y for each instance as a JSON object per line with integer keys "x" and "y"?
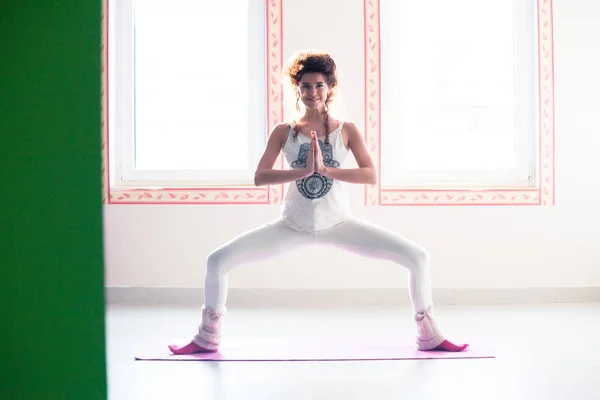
{"x": 372, "y": 177}
{"x": 258, "y": 180}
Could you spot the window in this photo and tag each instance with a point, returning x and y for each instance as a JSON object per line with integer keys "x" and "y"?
{"x": 454, "y": 112}
{"x": 193, "y": 89}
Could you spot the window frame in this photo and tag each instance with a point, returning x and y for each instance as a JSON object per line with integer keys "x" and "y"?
{"x": 541, "y": 194}
{"x": 210, "y": 193}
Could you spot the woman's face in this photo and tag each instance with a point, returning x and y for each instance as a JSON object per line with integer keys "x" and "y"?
{"x": 313, "y": 90}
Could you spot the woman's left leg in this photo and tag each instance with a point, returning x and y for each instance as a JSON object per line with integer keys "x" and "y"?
{"x": 373, "y": 241}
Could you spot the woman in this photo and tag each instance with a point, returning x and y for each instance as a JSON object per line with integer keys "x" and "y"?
{"x": 316, "y": 206}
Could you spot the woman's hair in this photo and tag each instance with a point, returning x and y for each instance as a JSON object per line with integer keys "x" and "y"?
{"x": 311, "y": 61}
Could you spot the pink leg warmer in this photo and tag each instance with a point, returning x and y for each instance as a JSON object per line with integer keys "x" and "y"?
{"x": 209, "y": 333}
{"x": 429, "y": 335}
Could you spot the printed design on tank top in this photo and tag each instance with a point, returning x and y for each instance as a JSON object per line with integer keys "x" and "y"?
{"x": 316, "y": 185}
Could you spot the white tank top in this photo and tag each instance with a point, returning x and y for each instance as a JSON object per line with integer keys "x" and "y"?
{"x": 315, "y": 202}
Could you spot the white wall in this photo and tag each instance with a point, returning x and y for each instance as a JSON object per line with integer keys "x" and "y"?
{"x": 470, "y": 247}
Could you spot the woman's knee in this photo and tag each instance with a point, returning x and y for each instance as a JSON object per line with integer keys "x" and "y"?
{"x": 214, "y": 262}
{"x": 420, "y": 259}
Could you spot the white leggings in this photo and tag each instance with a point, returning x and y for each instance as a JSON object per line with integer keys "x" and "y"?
{"x": 354, "y": 235}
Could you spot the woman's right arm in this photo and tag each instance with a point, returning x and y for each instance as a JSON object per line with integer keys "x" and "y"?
{"x": 265, "y": 174}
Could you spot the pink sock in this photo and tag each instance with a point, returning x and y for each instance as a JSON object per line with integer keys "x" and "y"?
{"x": 449, "y": 346}
{"x": 189, "y": 348}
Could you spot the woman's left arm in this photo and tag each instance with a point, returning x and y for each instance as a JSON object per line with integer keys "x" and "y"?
{"x": 365, "y": 173}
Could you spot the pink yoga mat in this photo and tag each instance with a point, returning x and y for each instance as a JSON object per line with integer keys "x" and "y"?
{"x": 329, "y": 349}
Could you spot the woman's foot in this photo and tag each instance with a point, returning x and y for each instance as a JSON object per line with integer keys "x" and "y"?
{"x": 430, "y": 338}
{"x": 449, "y": 346}
{"x": 189, "y": 348}
{"x": 209, "y": 335}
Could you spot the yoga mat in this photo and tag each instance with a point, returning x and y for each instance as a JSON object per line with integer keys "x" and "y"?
{"x": 326, "y": 349}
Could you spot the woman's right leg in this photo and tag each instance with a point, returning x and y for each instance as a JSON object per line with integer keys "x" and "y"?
{"x": 259, "y": 244}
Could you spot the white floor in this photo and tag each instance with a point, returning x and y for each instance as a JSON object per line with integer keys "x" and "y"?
{"x": 543, "y": 352}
